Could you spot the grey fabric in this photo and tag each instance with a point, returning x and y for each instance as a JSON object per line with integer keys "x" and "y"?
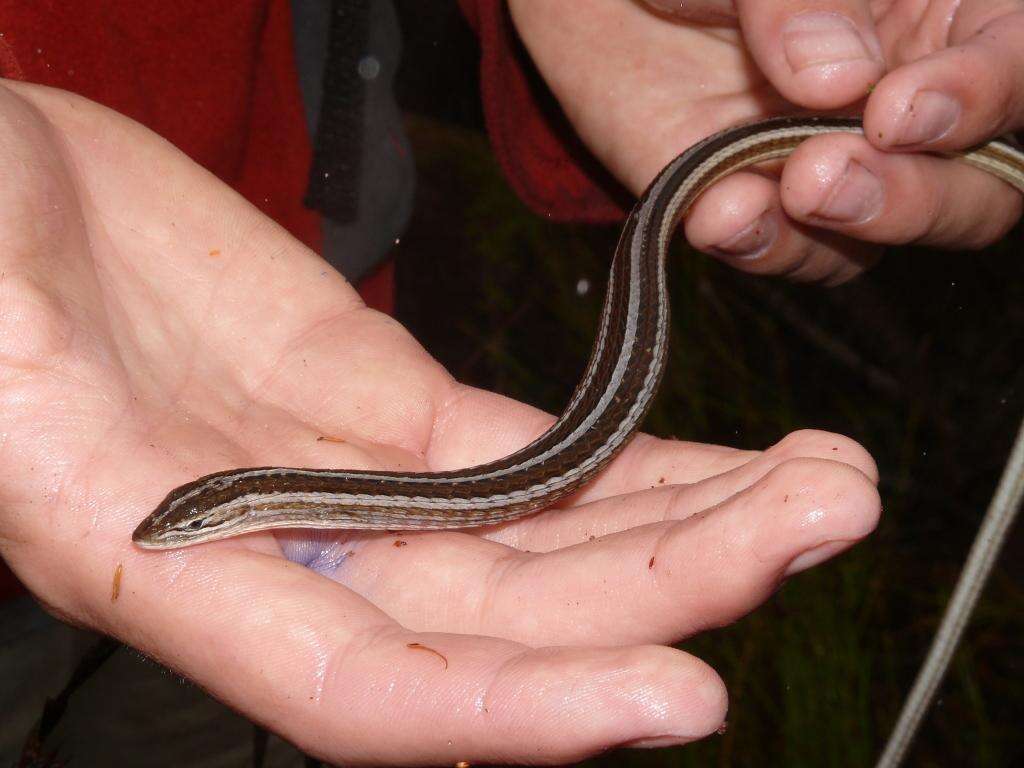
{"x": 387, "y": 182}
{"x": 130, "y": 712}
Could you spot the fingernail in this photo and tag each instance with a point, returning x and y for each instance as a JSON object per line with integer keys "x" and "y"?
{"x": 930, "y": 116}
{"x": 657, "y": 742}
{"x": 823, "y": 39}
{"x": 813, "y": 557}
{"x": 751, "y": 241}
{"x": 855, "y": 197}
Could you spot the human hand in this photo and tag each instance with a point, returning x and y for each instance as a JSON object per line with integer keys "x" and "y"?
{"x": 155, "y": 327}
{"x": 641, "y": 81}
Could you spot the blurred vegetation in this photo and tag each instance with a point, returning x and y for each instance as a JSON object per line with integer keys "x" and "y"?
{"x": 920, "y": 361}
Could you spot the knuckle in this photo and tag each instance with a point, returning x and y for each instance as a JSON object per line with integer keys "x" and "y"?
{"x": 926, "y": 211}
{"x": 992, "y": 223}
{"x": 1000, "y": 95}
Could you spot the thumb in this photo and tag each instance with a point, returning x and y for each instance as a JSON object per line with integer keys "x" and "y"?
{"x": 819, "y": 54}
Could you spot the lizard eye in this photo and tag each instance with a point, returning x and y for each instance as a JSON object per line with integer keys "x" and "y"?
{"x": 195, "y": 525}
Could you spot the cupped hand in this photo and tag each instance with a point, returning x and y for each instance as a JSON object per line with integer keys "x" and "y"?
{"x": 643, "y": 79}
{"x": 155, "y": 327}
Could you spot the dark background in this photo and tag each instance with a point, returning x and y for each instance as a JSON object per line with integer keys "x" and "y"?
{"x": 919, "y": 360}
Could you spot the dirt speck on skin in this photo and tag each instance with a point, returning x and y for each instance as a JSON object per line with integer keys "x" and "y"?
{"x": 115, "y": 587}
{"x": 421, "y": 647}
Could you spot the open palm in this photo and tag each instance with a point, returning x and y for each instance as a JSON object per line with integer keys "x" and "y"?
{"x": 639, "y": 87}
{"x": 155, "y": 327}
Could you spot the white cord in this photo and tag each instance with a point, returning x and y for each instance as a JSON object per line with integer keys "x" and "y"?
{"x": 991, "y": 535}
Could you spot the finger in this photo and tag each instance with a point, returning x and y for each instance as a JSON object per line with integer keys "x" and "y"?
{"x": 475, "y": 426}
{"x": 582, "y": 522}
{"x": 820, "y": 54}
{"x": 330, "y": 673}
{"x": 958, "y": 96}
{"x": 842, "y": 183}
{"x": 740, "y": 221}
{"x": 656, "y": 583}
